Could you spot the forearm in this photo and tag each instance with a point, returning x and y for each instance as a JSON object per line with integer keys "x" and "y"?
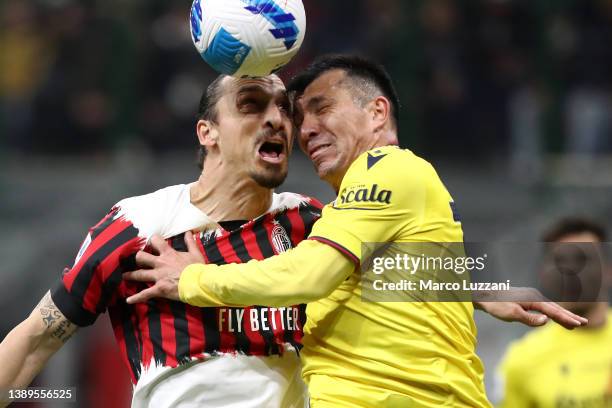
{"x": 309, "y": 272}
{"x": 28, "y": 347}
{"x": 21, "y": 353}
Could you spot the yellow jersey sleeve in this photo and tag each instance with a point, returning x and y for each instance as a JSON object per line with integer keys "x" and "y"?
{"x": 308, "y": 272}
{"x": 383, "y": 198}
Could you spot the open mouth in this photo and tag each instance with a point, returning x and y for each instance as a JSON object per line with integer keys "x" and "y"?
{"x": 272, "y": 152}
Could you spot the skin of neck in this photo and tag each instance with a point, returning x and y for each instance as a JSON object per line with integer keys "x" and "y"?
{"x": 384, "y": 137}
{"x": 226, "y": 195}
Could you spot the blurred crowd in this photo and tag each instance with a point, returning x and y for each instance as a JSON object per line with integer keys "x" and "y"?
{"x": 477, "y": 78}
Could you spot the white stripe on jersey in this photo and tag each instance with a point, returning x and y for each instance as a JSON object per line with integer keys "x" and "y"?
{"x": 227, "y": 381}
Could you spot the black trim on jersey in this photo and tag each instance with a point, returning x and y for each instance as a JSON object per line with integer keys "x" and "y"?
{"x": 212, "y": 337}
{"x": 310, "y": 214}
{"x": 235, "y": 239}
{"x": 110, "y": 219}
{"x": 243, "y": 344}
{"x": 178, "y": 243}
{"x": 232, "y": 225}
{"x": 155, "y": 333}
{"x": 131, "y": 343}
{"x": 108, "y": 289}
{"x": 288, "y": 335}
{"x": 181, "y": 332}
{"x": 261, "y": 236}
{"x": 270, "y": 346}
{"x": 359, "y": 208}
{"x": 179, "y": 312}
{"x": 339, "y": 247}
{"x": 303, "y": 318}
{"x": 70, "y": 307}
{"x": 286, "y": 223}
{"x": 213, "y": 254}
{"x": 88, "y": 270}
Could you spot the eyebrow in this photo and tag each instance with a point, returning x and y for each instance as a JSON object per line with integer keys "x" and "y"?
{"x": 316, "y": 101}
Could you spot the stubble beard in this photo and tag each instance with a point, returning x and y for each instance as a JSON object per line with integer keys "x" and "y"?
{"x": 269, "y": 178}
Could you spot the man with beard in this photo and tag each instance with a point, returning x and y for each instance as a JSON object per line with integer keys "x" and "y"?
{"x": 180, "y": 355}
{"x": 551, "y": 367}
{"x": 356, "y": 353}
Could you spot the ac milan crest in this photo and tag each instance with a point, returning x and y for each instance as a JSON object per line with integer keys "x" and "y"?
{"x": 280, "y": 239}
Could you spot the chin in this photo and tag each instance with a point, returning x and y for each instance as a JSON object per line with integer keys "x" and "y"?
{"x": 270, "y": 178}
{"x": 326, "y": 169}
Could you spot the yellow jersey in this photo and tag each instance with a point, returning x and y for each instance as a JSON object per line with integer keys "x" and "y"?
{"x": 395, "y": 354}
{"x": 554, "y": 367}
{"x": 357, "y": 353}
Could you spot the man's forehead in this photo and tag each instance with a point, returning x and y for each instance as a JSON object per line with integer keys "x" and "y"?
{"x": 271, "y": 84}
{"x": 325, "y": 85}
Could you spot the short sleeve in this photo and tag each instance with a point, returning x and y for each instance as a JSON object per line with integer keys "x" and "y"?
{"x": 86, "y": 289}
{"x": 379, "y": 197}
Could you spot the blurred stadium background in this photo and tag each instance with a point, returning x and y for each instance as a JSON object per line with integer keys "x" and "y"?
{"x": 509, "y": 99}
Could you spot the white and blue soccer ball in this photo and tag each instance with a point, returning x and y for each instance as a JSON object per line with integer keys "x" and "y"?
{"x": 247, "y": 37}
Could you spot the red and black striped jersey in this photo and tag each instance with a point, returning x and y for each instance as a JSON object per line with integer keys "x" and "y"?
{"x": 168, "y": 333}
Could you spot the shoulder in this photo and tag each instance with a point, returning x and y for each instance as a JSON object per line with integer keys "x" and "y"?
{"x": 386, "y": 158}
{"x": 390, "y": 165}
{"x": 289, "y": 201}
{"x": 152, "y": 213}
{"x": 384, "y": 176}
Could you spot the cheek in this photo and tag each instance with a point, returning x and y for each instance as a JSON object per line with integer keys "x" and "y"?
{"x": 343, "y": 130}
{"x": 301, "y": 140}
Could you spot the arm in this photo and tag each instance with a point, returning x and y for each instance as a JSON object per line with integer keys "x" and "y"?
{"x": 28, "y": 347}
{"x": 308, "y": 272}
{"x": 515, "y": 305}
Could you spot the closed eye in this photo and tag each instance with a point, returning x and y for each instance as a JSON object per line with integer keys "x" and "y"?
{"x": 250, "y": 105}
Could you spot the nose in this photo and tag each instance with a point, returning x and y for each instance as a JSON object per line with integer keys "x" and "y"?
{"x": 274, "y": 117}
{"x": 308, "y": 130}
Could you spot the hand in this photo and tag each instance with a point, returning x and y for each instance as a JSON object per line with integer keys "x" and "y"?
{"x": 517, "y": 310}
{"x": 164, "y": 269}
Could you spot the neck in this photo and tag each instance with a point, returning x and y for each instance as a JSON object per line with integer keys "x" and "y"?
{"x": 380, "y": 139}
{"x": 225, "y": 196}
{"x": 597, "y": 315}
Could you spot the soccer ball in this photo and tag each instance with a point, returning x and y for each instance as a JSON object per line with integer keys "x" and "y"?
{"x": 247, "y": 38}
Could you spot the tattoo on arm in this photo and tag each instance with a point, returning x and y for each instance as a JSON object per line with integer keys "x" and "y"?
{"x": 55, "y": 322}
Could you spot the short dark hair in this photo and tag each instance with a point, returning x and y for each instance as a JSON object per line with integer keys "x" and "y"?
{"x": 574, "y": 225}
{"x": 207, "y": 110}
{"x": 356, "y": 68}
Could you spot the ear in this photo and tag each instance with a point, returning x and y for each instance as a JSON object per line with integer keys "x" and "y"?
{"x": 380, "y": 111}
{"x": 207, "y": 133}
